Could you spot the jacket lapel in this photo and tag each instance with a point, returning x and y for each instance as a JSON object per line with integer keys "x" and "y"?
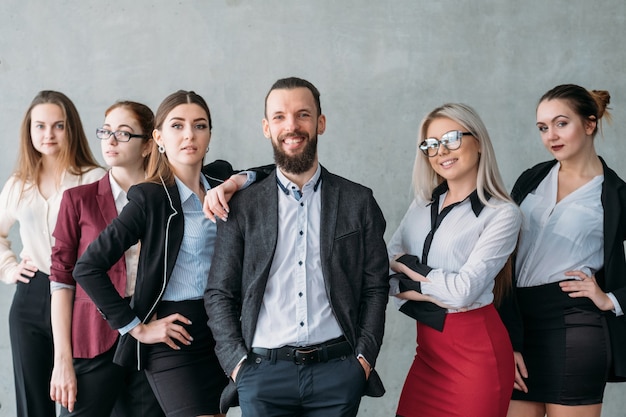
{"x": 106, "y": 203}
{"x": 612, "y": 213}
{"x": 267, "y": 196}
{"x": 175, "y": 229}
{"x": 328, "y": 221}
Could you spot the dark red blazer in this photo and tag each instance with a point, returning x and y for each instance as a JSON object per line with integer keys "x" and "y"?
{"x": 85, "y": 211}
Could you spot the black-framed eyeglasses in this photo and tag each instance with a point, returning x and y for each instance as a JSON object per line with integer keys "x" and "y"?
{"x": 120, "y": 135}
{"x": 451, "y": 140}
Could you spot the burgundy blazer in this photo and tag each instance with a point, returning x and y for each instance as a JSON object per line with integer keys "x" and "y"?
{"x": 85, "y": 211}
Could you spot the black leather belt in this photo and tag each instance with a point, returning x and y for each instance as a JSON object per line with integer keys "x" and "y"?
{"x": 305, "y": 355}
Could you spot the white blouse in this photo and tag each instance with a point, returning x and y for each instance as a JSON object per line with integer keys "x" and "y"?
{"x": 468, "y": 250}
{"x": 560, "y": 237}
{"x": 37, "y": 218}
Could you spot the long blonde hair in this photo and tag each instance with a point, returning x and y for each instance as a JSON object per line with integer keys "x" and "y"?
{"x": 489, "y": 181}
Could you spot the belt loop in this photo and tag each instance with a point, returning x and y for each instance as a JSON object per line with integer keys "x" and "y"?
{"x": 273, "y": 353}
{"x": 323, "y": 353}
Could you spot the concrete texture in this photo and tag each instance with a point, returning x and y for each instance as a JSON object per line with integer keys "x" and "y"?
{"x": 379, "y": 65}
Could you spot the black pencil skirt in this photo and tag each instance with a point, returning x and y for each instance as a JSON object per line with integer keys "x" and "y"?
{"x": 189, "y": 381}
{"x": 566, "y": 347}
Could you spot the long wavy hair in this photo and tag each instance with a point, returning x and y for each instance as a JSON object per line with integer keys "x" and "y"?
{"x": 75, "y": 156}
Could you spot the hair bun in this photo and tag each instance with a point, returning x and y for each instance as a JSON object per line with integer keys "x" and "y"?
{"x": 603, "y": 99}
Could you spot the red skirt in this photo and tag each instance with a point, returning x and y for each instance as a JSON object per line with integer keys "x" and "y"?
{"x": 465, "y": 371}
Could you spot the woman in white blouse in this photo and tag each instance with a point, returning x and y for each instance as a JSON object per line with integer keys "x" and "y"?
{"x": 53, "y": 156}
{"x": 570, "y": 272}
{"x": 448, "y": 251}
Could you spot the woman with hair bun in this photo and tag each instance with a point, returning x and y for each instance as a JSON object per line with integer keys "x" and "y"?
{"x": 568, "y": 330}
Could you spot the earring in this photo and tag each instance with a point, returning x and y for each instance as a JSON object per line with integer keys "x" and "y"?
{"x": 161, "y": 149}
{"x": 207, "y": 150}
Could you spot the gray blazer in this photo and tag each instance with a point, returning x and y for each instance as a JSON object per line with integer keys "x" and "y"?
{"x": 354, "y": 265}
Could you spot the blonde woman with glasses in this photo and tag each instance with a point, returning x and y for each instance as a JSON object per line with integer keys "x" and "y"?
{"x": 447, "y": 256}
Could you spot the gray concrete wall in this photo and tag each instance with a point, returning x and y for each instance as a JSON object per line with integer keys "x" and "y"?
{"x": 379, "y": 65}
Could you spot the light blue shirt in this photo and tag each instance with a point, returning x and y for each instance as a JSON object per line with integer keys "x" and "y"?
{"x": 191, "y": 271}
{"x": 189, "y": 276}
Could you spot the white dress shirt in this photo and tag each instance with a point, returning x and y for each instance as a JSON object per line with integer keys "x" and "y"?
{"x": 468, "y": 250}
{"x": 557, "y": 237}
{"x": 295, "y": 309}
{"x": 131, "y": 256}
{"x": 560, "y": 237}
{"x": 37, "y": 217}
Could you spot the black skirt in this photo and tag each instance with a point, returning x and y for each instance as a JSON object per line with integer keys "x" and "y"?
{"x": 566, "y": 347}
{"x": 188, "y": 381}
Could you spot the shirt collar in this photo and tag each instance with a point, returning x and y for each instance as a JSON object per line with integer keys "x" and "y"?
{"x": 477, "y": 205}
{"x": 116, "y": 190}
{"x": 185, "y": 192}
{"x": 285, "y": 184}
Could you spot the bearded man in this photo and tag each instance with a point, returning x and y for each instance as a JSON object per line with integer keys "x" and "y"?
{"x": 298, "y": 285}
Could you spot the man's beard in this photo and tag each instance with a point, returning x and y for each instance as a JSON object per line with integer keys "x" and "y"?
{"x": 296, "y": 164}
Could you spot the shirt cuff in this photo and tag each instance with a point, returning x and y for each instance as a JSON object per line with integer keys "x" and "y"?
{"x": 250, "y": 178}
{"x": 60, "y": 286}
{"x": 413, "y": 262}
{"x": 238, "y": 363}
{"x": 130, "y": 326}
{"x": 617, "y": 308}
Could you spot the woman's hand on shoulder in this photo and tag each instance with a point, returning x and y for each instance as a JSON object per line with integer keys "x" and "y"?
{"x": 216, "y": 199}
{"x": 165, "y": 330}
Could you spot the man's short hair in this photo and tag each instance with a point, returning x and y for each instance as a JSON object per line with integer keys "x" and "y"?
{"x": 294, "y": 82}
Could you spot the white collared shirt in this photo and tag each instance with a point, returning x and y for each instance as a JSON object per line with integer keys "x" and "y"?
{"x": 553, "y": 239}
{"x": 296, "y": 309}
{"x": 37, "y": 217}
{"x": 468, "y": 250}
{"x": 131, "y": 256}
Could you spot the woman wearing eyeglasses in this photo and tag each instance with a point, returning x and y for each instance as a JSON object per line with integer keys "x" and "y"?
{"x": 53, "y": 156}
{"x": 85, "y": 381}
{"x": 164, "y": 329}
{"x": 570, "y": 269}
{"x": 447, "y": 255}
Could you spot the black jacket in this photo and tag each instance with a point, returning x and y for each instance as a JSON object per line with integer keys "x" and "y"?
{"x": 611, "y": 278}
{"x": 153, "y": 216}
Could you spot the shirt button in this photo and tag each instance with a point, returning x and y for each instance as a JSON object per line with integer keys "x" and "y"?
{"x": 301, "y": 324}
{"x": 300, "y": 294}
{"x": 300, "y": 263}
{"x": 301, "y": 232}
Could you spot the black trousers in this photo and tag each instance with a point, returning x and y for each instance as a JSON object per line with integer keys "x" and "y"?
{"x": 31, "y": 345}
{"x": 109, "y": 390}
{"x": 277, "y": 388}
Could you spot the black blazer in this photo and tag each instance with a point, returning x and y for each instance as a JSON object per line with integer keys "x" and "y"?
{"x": 153, "y": 216}
{"x": 353, "y": 259}
{"x": 611, "y": 278}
